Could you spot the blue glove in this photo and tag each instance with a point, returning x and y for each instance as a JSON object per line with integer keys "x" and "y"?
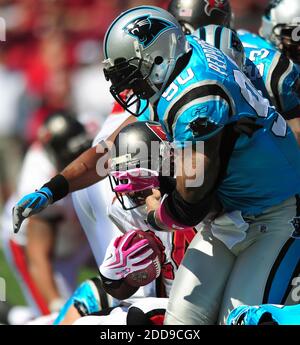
{"x": 30, "y": 204}
{"x": 85, "y": 299}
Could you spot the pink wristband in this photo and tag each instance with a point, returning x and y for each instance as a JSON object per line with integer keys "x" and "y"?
{"x": 164, "y": 218}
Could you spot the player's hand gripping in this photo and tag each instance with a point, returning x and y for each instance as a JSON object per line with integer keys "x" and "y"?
{"x": 121, "y": 258}
{"x": 30, "y": 204}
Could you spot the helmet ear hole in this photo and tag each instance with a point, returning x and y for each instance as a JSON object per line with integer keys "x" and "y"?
{"x": 158, "y": 60}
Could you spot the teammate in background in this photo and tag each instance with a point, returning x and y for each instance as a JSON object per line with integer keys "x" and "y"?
{"x": 133, "y": 176}
{"x": 198, "y": 95}
{"x": 268, "y": 69}
{"x": 280, "y": 27}
{"x": 51, "y": 247}
{"x": 273, "y": 53}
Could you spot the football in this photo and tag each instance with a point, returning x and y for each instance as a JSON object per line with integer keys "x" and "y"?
{"x": 147, "y": 275}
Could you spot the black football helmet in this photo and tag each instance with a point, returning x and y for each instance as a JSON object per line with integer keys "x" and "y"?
{"x": 192, "y": 14}
{"x": 64, "y": 138}
{"x": 141, "y": 154}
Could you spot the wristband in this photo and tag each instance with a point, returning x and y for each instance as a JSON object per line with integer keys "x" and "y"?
{"x": 180, "y": 214}
{"x": 152, "y": 221}
{"x": 58, "y": 186}
{"x": 164, "y": 217}
{"x": 102, "y": 293}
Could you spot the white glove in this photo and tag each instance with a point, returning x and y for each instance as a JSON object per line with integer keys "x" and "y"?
{"x": 121, "y": 258}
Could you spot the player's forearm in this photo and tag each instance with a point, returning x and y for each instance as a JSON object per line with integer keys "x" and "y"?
{"x": 82, "y": 172}
{"x": 87, "y": 169}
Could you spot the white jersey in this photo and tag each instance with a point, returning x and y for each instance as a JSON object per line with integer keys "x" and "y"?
{"x": 175, "y": 243}
{"x": 37, "y": 169}
{"x": 91, "y": 98}
{"x": 117, "y": 117}
{"x": 70, "y": 249}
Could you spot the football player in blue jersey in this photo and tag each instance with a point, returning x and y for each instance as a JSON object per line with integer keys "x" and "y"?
{"x": 281, "y": 27}
{"x": 269, "y": 70}
{"x": 276, "y": 56}
{"x": 250, "y": 167}
{"x": 230, "y": 44}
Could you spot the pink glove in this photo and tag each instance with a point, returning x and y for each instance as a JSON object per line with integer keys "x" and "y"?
{"x": 138, "y": 179}
{"x": 123, "y": 257}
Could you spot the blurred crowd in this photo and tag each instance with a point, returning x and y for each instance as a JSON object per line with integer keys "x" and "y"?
{"x": 51, "y": 60}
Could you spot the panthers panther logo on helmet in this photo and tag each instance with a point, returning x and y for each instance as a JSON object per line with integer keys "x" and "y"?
{"x": 212, "y": 5}
{"x": 146, "y": 29}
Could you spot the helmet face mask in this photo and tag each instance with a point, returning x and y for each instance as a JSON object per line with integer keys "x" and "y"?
{"x": 135, "y": 184}
{"x": 237, "y": 50}
{"x": 132, "y": 76}
{"x": 141, "y": 49}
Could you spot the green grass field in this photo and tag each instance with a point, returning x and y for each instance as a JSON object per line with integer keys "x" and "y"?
{"x": 13, "y": 291}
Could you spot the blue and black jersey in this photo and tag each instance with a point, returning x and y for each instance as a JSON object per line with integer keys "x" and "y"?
{"x": 211, "y": 93}
{"x": 280, "y": 75}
